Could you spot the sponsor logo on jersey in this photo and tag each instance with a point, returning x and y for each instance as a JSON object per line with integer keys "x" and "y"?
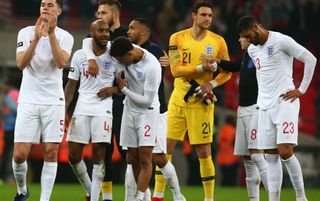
{"x": 173, "y": 47}
{"x": 209, "y": 50}
{"x": 107, "y": 65}
{"x": 71, "y": 69}
{"x": 185, "y": 49}
{"x": 61, "y": 99}
{"x": 270, "y": 50}
{"x": 19, "y": 44}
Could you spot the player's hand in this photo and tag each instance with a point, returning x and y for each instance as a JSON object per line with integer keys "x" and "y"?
{"x": 93, "y": 68}
{"x": 38, "y": 29}
{"x": 208, "y": 63}
{"x": 203, "y": 89}
{"x": 291, "y": 95}
{"x": 121, "y": 80}
{"x": 52, "y": 23}
{"x": 107, "y": 92}
{"x": 164, "y": 60}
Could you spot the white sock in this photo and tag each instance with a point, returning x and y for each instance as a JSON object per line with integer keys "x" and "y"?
{"x": 139, "y": 196}
{"x": 20, "y": 173}
{"x": 170, "y": 175}
{"x": 147, "y": 195}
{"x": 98, "y": 172}
{"x": 295, "y": 173}
{"x": 275, "y": 176}
{"x": 262, "y": 166}
{"x": 252, "y": 180}
{"x": 80, "y": 170}
{"x": 48, "y": 176}
{"x": 130, "y": 184}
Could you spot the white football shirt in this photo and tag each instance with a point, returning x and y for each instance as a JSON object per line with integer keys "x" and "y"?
{"x": 274, "y": 64}
{"x": 42, "y": 79}
{"x": 142, "y": 77}
{"x": 88, "y": 102}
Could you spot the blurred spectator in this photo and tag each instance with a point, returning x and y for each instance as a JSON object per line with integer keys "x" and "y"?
{"x": 166, "y": 22}
{"x": 5, "y": 11}
{"x": 228, "y": 163}
{"x": 261, "y": 10}
{"x": 9, "y": 114}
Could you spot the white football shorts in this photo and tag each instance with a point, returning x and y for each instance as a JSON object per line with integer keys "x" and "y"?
{"x": 82, "y": 128}
{"x": 161, "y": 139}
{"x": 37, "y": 123}
{"x": 138, "y": 128}
{"x": 279, "y": 125}
{"x": 247, "y": 130}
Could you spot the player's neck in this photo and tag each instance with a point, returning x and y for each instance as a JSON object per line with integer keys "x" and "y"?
{"x": 97, "y": 50}
{"x": 115, "y": 25}
{"x": 197, "y": 33}
{"x": 265, "y": 35}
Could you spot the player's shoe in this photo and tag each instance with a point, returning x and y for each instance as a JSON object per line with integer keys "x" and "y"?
{"x": 157, "y": 199}
{"x": 21, "y": 197}
{"x": 182, "y": 199}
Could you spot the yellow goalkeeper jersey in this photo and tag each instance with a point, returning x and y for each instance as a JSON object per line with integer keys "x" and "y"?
{"x": 184, "y": 55}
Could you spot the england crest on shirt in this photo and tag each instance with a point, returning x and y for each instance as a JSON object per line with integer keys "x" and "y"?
{"x": 139, "y": 75}
{"x": 209, "y": 50}
{"x": 107, "y": 65}
{"x": 270, "y": 50}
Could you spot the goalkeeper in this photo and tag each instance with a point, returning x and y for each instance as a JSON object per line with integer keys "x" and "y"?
{"x": 185, "y": 50}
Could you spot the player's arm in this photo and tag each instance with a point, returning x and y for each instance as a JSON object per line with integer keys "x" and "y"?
{"x": 88, "y": 51}
{"x": 60, "y": 55}
{"x": 74, "y": 75}
{"x": 69, "y": 91}
{"x": 230, "y": 66}
{"x": 302, "y": 54}
{"x": 176, "y": 59}
{"x": 223, "y": 75}
{"x": 151, "y": 86}
{"x": 25, "y": 50}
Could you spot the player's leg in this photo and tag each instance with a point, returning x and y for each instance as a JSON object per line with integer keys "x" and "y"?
{"x": 257, "y": 156}
{"x": 117, "y": 110}
{"x": 176, "y": 129}
{"x": 52, "y": 122}
{"x": 101, "y": 133}
{"x": 287, "y": 137}
{"x": 130, "y": 182}
{"x": 27, "y": 131}
{"x": 169, "y": 173}
{"x": 98, "y": 170}
{"x": 78, "y": 136}
{"x": 267, "y": 142}
{"x": 241, "y": 149}
{"x": 78, "y": 166}
{"x": 200, "y": 132}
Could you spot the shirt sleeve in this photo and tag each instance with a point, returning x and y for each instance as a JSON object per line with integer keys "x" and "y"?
{"x": 175, "y": 59}
{"x": 151, "y": 86}
{"x": 223, "y": 76}
{"x": 299, "y": 52}
{"x": 87, "y": 48}
{"x": 74, "y": 72}
{"x": 67, "y": 42}
{"x": 22, "y": 41}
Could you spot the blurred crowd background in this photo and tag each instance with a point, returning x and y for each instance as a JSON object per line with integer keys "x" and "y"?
{"x": 296, "y": 18}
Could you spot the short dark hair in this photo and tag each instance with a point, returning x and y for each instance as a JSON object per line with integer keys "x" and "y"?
{"x": 115, "y": 3}
{"x": 245, "y": 23}
{"x": 60, "y": 4}
{"x": 199, "y": 4}
{"x": 143, "y": 21}
{"x": 120, "y": 46}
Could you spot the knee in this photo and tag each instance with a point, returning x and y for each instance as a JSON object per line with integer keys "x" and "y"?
{"x": 160, "y": 160}
{"x": 20, "y": 156}
{"x": 145, "y": 162}
{"x": 74, "y": 158}
{"x": 51, "y": 154}
{"x": 285, "y": 151}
